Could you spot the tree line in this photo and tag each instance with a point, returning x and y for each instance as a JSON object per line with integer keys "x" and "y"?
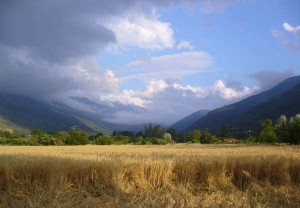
{"x": 284, "y": 131}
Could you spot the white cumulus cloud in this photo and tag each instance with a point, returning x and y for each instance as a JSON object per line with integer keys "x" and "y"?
{"x": 229, "y": 93}
{"x": 142, "y": 31}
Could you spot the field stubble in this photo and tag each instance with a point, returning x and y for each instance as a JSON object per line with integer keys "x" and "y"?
{"x": 181, "y": 175}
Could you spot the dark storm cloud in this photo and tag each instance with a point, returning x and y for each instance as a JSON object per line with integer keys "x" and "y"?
{"x": 60, "y": 29}
{"x": 56, "y": 30}
{"x": 30, "y": 78}
{"x": 268, "y": 79}
{"x": 53, "y": 31}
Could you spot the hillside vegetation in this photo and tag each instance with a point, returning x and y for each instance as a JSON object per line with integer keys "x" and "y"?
{"x": 6, "y": 125}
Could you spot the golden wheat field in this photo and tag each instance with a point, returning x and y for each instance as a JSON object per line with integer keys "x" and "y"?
{"x": 179, "y": 175}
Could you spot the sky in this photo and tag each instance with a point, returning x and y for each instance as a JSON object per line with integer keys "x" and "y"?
{"x": 147, "y": 61}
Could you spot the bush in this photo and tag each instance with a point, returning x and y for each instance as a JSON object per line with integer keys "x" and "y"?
{"x": 14, "y": 141}
{"x": 8, "y": 135}
{"x": 208, "y": 138}
{"x": 162, "y": 142}
{"x": 168, "y": 138}
{"x": 45, "y": 139}
{"x": 120, "y": 139}
{"x": 140, "y": 141}
{"x": 152, "y": 140}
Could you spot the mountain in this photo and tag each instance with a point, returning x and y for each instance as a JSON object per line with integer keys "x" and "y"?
{"x": 184, "y": 123}
{"x": 22, "y": 114}
{"x": 231, "y": 115}
{"x": 287, "y": 103}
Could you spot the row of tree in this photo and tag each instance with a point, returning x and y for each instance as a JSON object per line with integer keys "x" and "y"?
{"x": 153, "y": 134}
{"x": 284, "y": 131}
{"x": 39, "y": 137}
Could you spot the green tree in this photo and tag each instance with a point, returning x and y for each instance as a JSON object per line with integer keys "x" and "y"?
{"x": 173, "y": 133}
{"x": 37, "y": 132}
{"x": 114, "y": 133}
{"x": 39, "y": 137}
{"x": 194, "y": 136}
{"x": 77, "y": 137}
{"x": 8, "y": 135}
{"x": 224, "y": 132}
{"x": 62, "y": 137}
{"x": 182, "y": 137}
{"x": 154, "y": 131}
{"x": 282, "y": 129}
{"x": 139, "y": 134}
{"x": 267, "y": 135}
{"x": 168, "y": 137}
{"x": 132, "y": 135}
{"x": 121, "y": 139}
{"x": 140, "y": 140}
{"x": 207, "y": 138}
{"x": 294, "y": 129}
{"x": 93, "y": 137}
{"x": 104, "y": 140}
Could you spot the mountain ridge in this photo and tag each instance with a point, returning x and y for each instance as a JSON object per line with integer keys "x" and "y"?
{"x": 185, "y": 122}
{"x": 229, "y": 114}
{"x": 287, "y": 103}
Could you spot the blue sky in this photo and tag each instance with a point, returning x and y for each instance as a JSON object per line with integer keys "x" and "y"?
{"x": 239, "y": 38}
{"x": 148, "y": 61}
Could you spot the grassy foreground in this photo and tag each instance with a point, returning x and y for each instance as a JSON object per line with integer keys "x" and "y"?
{"x": 178, "y": 175}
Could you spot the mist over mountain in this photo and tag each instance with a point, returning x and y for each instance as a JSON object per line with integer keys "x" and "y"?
{"x": 22, "y": 114}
